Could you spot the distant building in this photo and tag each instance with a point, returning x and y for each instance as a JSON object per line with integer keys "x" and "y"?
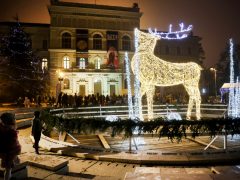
{"x": 85, "y": 43}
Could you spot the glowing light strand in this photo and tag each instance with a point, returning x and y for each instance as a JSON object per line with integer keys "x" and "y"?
{"x": 183, "y": 33}
{"x": 236, "y": 100}
{"x": 154, "y": 71}
{"x": 234, "y": 90}
{"x": 137, "y": 93}
{"x": 130, "y": 103}
{"x": 231, "y": 110}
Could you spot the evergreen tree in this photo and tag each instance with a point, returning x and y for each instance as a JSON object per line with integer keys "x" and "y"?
{"x": 20, "y": 68}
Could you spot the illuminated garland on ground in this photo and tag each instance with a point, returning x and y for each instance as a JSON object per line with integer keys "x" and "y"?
{"x": 172, "y": 129}
{"x": 154, "y": 71}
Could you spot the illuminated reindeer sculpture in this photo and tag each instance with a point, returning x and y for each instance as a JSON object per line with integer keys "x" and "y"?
{"x": 153, "y": 71}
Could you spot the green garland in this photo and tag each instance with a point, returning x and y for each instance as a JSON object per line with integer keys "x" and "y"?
{"x": 172, "y": 129}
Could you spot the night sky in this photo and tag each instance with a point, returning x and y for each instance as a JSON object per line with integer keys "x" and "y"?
{"x": 214, "y": 20}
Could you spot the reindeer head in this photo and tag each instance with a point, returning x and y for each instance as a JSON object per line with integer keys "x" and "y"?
{"x": 182, "y": 33}
{"x": 145, "y": 41}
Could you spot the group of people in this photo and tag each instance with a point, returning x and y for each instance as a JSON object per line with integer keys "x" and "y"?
{"x": 10, "y": 147}
{"x": 65, "y": 100}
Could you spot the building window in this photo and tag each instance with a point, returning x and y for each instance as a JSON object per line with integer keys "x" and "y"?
{"x": 178, "y": 51}
{"x": 66, "y": 84}
{"x": 44, "y": 64}
{"x": 97, "y": 41}
{"x": 44, "y": 44}
{"x": 97, "y": 63}
{"x": 66, "y": 40}
{"x": 126, "y": 43}
{"x": 66, "y": 62}
{"x": 82, "y": 63}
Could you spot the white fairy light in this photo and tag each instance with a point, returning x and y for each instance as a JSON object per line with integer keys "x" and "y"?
{"x": 234, "y": 90}
{"x": 154, "y": 71}
{"x": 130, "y": 104}
{"x": 236, "y": 100}
{"x": 183, "y": 33}
{"x": 137, "y": 93}
{"x": 231, "y": 110}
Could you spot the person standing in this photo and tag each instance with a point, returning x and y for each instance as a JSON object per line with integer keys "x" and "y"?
{"x": 10, "y": 147}
{"x": 36, "y": 130}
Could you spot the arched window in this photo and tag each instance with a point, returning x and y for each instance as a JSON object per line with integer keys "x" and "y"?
{"x": 97, "y": 63}
{"x": 97, "y": 41}
{"x": 66, "y": 84}
{"x": 126, "y": 43}
{"x": 82, "y": 63}
{"x": 66, "y": 40}
{"x": 66, "y": 62}
{"x": 44, "y": 64}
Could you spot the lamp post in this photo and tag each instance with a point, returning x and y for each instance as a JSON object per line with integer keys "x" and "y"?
{"x": 215, "y": 79}
{"x": 60, "y": 79}
{"x": 59, "y": 84}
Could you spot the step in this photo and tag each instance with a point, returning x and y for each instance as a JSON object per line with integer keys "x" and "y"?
{"x": 47, "y": 162}
{"x": 23, "y": 115}
{"x": 151, "y": 176}
{"x": 18, "y": 172}
{"x": 24, "y": 122}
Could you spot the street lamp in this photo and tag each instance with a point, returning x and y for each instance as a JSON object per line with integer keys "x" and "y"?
{"x": 59, "y": 84}
{"x": 60, "y": 79}
{"x": 215, "y": 79}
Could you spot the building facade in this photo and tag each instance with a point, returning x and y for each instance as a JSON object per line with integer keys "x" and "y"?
{"x": 83, "y": 47}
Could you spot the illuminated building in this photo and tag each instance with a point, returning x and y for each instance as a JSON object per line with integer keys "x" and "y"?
{"x": 87, "y": 43}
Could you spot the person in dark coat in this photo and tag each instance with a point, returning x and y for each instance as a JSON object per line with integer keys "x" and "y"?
{"x": 36, "y": 130}
{"x": 10, "y": 147}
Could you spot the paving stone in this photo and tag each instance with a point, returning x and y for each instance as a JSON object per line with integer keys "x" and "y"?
{"x": 44, "y": 161}
{"x": 201, "y": 170}
{"x": 172, "y": 171}
{"x": 19, "y": 171}
{"x": 147, "y": 170}
{"x": 149, "y": 176}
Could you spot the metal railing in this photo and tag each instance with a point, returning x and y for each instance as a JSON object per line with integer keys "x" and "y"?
{"x": 207, "y": 110}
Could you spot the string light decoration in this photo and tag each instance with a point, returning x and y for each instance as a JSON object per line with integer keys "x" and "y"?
{"x": 137, "y": 89}
{"x": 154, "y": 71}
{"x": 234, "y": 90}
{"x": 183, "y": 33}
{"x": 130, "y": 104}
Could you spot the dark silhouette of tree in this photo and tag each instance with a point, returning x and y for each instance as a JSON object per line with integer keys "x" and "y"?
{"x": 20, "y": 68}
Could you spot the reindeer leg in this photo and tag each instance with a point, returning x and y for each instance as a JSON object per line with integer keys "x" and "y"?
{"x": 190, "y": 102}
{"x": 143, "y": 91}
{"x": 198, "y": 103}
{"x": 150, "y": 93}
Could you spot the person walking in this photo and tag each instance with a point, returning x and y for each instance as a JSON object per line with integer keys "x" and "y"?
{"x": 10, "y": 147}
{"x": 36, "y": 130}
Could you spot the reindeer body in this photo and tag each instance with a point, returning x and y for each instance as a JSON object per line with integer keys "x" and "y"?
{"x": 154, "y": 71}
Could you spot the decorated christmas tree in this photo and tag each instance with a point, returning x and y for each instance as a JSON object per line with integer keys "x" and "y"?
{"x": 20, "y": 68}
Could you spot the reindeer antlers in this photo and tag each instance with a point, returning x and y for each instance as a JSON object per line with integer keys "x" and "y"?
{"x": 183, "y": 33}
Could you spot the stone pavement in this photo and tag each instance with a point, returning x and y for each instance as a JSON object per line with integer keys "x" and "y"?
{"x": 57, "y": 161}
{"x": 100, "y": 164}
